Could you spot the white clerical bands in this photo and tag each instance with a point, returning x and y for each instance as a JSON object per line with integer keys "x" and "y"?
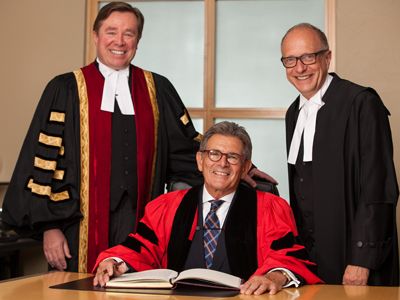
{"x": 116, "y": 88}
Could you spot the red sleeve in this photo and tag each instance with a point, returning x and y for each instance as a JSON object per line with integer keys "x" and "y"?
{"x": 276, "y": 239}
{"x": 147, "y": 248}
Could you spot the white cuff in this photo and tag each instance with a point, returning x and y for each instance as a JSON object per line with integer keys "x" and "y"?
{"x": 117, "y": 259}
{"x": 293, "y": 279}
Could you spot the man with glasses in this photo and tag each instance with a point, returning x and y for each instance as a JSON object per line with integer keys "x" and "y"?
{"x": 343, "y": 187}
{"x": 221, "y": 225}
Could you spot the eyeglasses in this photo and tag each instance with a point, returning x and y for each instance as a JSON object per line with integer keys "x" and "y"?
{"x": 306, "y": 59}
{"x": 216, "y": 155}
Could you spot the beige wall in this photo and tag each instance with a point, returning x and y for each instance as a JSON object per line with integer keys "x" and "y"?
{"x": 368, "y": 52}
{"x": 40, "y": 39}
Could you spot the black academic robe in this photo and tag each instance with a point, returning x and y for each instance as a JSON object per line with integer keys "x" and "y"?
{"x": 354, "y": 186}
{"x": 46, "y": 189}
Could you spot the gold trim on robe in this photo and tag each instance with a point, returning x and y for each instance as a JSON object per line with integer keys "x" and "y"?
{"x": 61, "y": 151}
{"x": 45, "y": 190}
{"x": 57, "y": 117}
{"x": 185, "y": 118}
{"x": 152, "y": 94}
{"x": 58, "y": 174}
{"x": 49, "y": 140}
{"x": 45, "y": 164}
{"x": 84, "y": 190}
{"x": 199, "y": 138}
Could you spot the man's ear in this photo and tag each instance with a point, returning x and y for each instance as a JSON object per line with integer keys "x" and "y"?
{"x": 95, "y": 37}
{"x": 199, "y": 160}
{"x": 247, "y": 166}
{"x": 328, "y": 58}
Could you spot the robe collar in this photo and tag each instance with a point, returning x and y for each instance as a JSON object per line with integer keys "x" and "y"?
{"x": 240, "y": 231}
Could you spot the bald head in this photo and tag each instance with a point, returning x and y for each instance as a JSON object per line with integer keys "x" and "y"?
{"x": 306, "y": 57}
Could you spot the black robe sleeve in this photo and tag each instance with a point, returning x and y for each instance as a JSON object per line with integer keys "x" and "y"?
{"x": 43, "y": 191}
{"x": 373, "y": 234}
{"x": 178, "y": 140}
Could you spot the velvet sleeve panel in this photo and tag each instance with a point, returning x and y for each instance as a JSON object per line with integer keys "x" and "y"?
{"x": 147, "y": 248}
{"x": 276, "y": 232}
{"x": 374, "y": 227}
{"x": 54, "y": 203}
{"x": 178, "y": 138}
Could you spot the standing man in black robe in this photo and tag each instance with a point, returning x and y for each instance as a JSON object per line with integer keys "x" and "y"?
{"x": 104, "y": 141}
{"x": 343, "y": 186}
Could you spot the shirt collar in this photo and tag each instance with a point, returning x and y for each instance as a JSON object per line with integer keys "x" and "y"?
{"x": 207, "y": 197}
{"x": 107, "y": 71}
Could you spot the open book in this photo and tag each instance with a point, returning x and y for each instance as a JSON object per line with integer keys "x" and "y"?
{"x": 167, "y": 279}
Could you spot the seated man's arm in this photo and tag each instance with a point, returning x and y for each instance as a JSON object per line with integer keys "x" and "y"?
{"x": 277, "y": 249}
{"x": 146, "y": 249}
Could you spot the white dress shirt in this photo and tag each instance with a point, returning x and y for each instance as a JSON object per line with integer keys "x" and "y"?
{"x": 306, "y": 122}
{"x": 222, "y": 211}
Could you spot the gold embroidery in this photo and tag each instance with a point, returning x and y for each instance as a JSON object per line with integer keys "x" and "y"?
{"x": 58, "y": 174}
{"x": 199, "y": 138}
{"x": 45, "y": 190}
{"x": 57, "y": 117}
{"x": 50, "y": 140}
{"x": 84, "y": 191}
{"x": 62, "y": 151}
{"x": 185, "y": 118}
{"x": 152, "y": 93}
{"x": 59, "y": 196}
{"x": 45, "y": 164}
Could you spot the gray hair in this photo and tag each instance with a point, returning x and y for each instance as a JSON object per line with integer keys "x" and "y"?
{"x": 229, "y": 129}
{"x": 321, "y": 35}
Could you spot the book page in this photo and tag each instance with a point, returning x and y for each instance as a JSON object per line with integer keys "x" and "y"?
{"x": 151, "y": 278}
{"x": 215, "y": 277}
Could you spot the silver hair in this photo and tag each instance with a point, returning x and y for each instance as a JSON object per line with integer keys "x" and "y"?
{"x": 229, "y": 129}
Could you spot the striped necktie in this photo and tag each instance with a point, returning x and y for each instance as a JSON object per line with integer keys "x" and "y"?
{"x": 211, "y": 232}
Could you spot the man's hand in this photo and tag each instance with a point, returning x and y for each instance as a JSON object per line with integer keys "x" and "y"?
{"x": 55, "y": 247}
{"x": 254, "y": 172}
{"x": 355, "y": 275}
{"x": 107, "y": 269}
{"x": 257, "y": 285}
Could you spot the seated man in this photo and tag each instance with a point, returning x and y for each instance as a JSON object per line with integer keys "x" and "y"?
{"x": 220, "y": 225}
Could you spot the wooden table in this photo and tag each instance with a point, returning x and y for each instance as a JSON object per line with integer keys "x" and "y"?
{"x": 37, "y": 288}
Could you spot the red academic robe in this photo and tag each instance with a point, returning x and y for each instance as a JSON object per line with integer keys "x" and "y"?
{"x": 168, "y": 226}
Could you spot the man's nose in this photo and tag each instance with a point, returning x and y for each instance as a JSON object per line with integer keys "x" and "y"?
{"x": 120, "y": 39}
{"x": 300, "y": 67}
{"x": 224, "y": 160}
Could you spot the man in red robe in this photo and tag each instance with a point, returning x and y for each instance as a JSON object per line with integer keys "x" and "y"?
{"x": 256, "y": 238}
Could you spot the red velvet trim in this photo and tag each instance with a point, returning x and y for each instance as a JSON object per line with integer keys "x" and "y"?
{"x": 100, "y": 155}
{"x": 145, "y": 137}
{"x": 99, "y": 166}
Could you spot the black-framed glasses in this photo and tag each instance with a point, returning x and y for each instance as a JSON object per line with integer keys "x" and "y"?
{"x": 306, "y": 59}
{"x": 216, "y": 155}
